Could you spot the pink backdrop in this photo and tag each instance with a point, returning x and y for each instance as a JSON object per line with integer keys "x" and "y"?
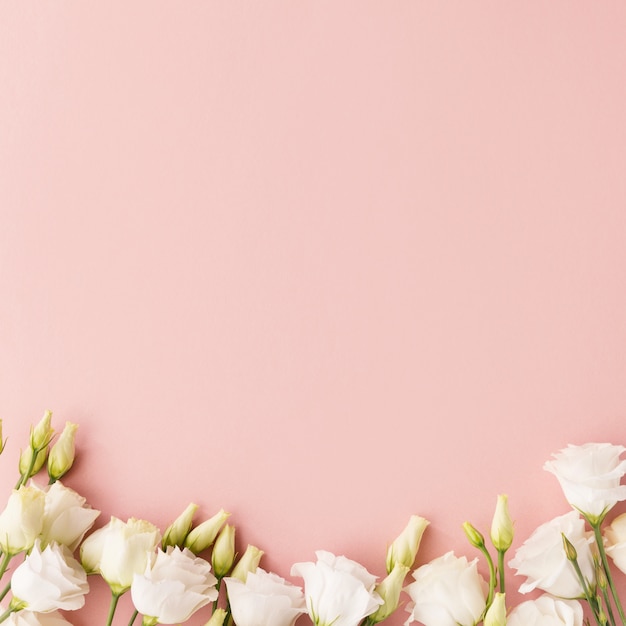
{"x": 324, "y": 264}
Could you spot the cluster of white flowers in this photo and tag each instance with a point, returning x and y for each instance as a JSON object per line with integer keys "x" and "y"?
{"x": 567, "y": 558}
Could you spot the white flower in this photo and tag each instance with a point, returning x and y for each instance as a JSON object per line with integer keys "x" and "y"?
{"x": 28, "y": 618}
{"x": 615, "y": 541}
{"x": 22, "y": 520}
{"x": 543, "y": 560}
{"x": 265, "y": 599}
{"x": 120, "y": 550}
{"x": 546, "y": 611}
{"x": 590, "y": 477}
{"x": 66, "y": 516}
{"x": 49, "y": 580}
{"x": 338, "y": 591}
{"x": 448, "y": 591}
{"x": 174, "y": 587}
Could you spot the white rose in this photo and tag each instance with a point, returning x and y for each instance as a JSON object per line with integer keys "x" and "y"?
{"x": 590, "y": 477}
{"x": 546, "y": 611}
{"x": 448, "y": 591}
{"x": 120, "y": 550}
{"x": 66, "y": 516}
{"x": 615, "y": 541}
{"x": 174, "y": 587}
{"x": 28, "y": 618}
{"x": 49, "y": 580}
{"x": 22, "y": 520}
{"x": 265, "y": 599}
{"x": 543, "y": 560}
{"x": 338, "y": 591}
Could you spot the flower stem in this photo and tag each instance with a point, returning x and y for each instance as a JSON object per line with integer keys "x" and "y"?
{"x": 5, "y": 615}
{"x": 607, "y": 569}
{"x": 114, "y": 599}
{"x": 3, "y": 566}
{"x": 591, "y": 600}
{"x": 217, "y": 587}
{"x": 492, "y": 574}
{"x": 501, "y": 569}
{"x": 133, "y": 618}
{"x": 5, "y": 591}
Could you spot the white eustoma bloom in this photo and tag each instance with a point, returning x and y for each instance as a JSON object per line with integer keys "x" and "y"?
{"x": 590, "y": 477}
{"x": 120, "y": 550}
{"x": 173, "y": 587}
{"x": 546, "y": 611}
{"x": 264, "y": 599}
{"x": 448, "y": 591}
{"x": 28, "y": 618}
{"x": 615, "y": 541}
{"x": 22, "y": 519}
{"x": 338, "y": 591}
{"x": 542, "y": 558}
{"x": 49, "y": 580}
{"x": 66, "y": 516}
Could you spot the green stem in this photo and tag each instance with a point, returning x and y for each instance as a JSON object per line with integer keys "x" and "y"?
{"x": 114, "y": 599}
{"x": 501, "y": 569}
{"x": 5, "y": 615}
{"x": 492, "y": 575}
{"x": 607, "y": 603}
{"x": 133, "y": 618}
{"x": 4, "y": 564}
{"x": 607, "y": 569}
{"x": 217, "y": 587}
{"x": 591, "y": 600}
{"x": 5, "y": 591}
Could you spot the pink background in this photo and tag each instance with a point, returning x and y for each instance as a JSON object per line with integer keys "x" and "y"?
{"x": 324, "y": 264}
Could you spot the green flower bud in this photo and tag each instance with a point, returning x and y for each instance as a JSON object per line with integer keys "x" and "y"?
{"x": 62, "y": 453}
{"x": 570, "y": 550}
{"x": 223, "y": 555}
{"x": 247, "y": 563}
{"x": 389, "y": 590}
{"x": 41, "y": 435}
{"x": 178, "y": 530}
{"x": 25, "y": 461}
{"x": 404, "y": 548}
{"x": 474, "y": 537}
{"x": 496, "y": 614}
{"x": 217, "y": 619}
{"x": 502, "y": 525}
{"x": 203, "y": 535}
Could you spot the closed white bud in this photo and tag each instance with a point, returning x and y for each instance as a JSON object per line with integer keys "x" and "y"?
{"x": 404, "y": 548}
{"x": 247, "y": 563}
{"x": 178, "y": 530}
{"x": 62, "y": 453}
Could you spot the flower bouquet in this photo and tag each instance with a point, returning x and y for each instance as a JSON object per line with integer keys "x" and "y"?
{"x": 47, "y": 555}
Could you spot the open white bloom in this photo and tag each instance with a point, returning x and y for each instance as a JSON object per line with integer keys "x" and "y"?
{"x": 173, "y": 587}
{"x": 66, "y": 516}
{"x": 338, "y": 591}
{"x": 28, "y": 618}
{"x": 120, "y": 550}
{"x": 615, "y": 541}
{"x": 543, "y": 560}
{"x": 448, "y": 591}
{"x": 264, "y": 599}
{"x": 590, "y": 477}
{"x": 22, "y": 519}
{"x": 546, "y": 611}
{"x": 49, "y": 580}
